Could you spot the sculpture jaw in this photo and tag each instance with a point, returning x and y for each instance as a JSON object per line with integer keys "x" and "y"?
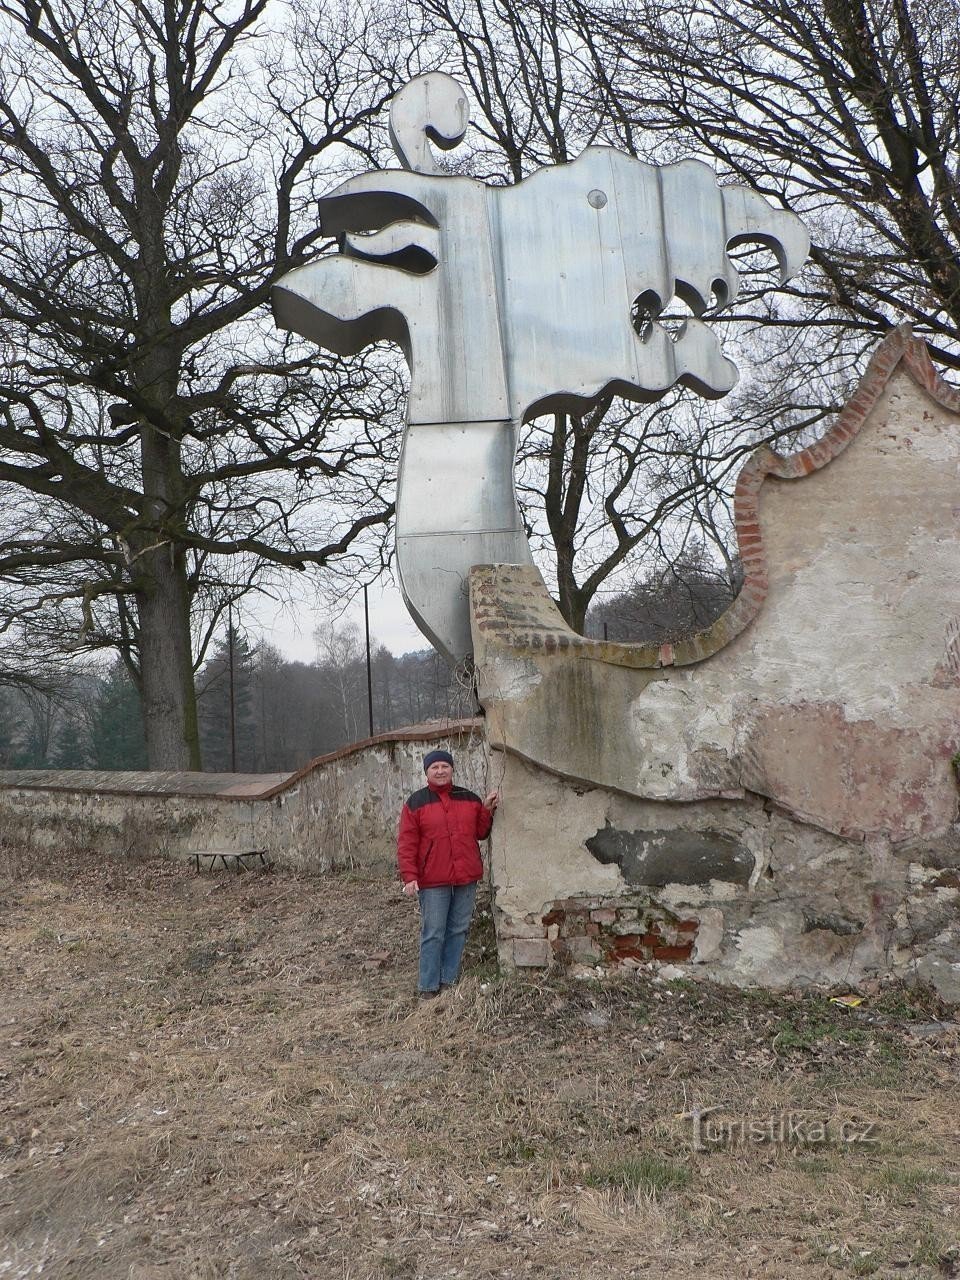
{"x": 456, "y": 507}
{"x": 343, "y": 305}
{"x": 693, "y": 358}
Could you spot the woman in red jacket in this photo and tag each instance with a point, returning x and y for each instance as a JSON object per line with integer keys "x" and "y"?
{"x": 439, "y": 860}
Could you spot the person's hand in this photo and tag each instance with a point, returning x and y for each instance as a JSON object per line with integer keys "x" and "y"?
{"x": 410, "y": 888}
{"x": 491, "y": 801}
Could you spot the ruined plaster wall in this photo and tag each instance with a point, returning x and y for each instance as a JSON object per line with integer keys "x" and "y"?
{"x": 341, "y": 810}
{"x": 737, "y": 889}
{"x": 794, "y": 762}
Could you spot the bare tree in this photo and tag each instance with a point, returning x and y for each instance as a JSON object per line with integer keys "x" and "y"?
{"x": 158, "y": 168}
{"x": 617, "y": 494}
{"x": 847, "y": 111}
{"x": 340, "y": 657}
{"x": 532, "y": 95}
{"x": 686, "y": 596}
{"x": 620, "y": 494}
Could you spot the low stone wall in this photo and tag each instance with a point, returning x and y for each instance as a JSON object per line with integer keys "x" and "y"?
{"x": 339, "y": 810}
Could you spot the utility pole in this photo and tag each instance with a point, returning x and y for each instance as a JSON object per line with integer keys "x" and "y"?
{"x": 366, "y": 627}
{"x": 233, "y": 703}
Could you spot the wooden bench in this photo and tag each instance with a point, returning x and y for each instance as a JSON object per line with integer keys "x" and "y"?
{"x": 239, "y": 861}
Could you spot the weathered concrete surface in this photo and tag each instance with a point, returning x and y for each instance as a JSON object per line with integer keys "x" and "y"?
{"x": 339, "y": 810}
{"x": 817, "y": 908}
{"x": 673, "y": 857}
{"x": 812, "y": 726}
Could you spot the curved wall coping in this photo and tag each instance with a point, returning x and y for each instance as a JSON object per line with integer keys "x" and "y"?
{"x": 219, "y": 786}
{"x": 513, "y": 610}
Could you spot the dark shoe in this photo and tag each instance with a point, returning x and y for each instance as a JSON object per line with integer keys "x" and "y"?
{"x": 428, "y": 995}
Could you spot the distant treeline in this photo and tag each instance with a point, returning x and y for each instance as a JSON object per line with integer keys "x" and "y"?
{"x": 261, "y": 713}
{"x": 284, "y": 713}
{"x": 688, "y": 596}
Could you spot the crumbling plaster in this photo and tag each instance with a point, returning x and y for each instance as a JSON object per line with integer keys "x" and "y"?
{"x": 813, "y": 725}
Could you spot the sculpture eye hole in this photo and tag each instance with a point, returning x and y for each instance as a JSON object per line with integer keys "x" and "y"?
{"x": 648, "y": 311}
{"x": 644, "y": 314}
{"x": 408, "y": 245}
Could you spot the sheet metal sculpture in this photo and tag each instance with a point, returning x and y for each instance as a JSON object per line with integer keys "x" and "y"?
{"x": 510, "y": 302}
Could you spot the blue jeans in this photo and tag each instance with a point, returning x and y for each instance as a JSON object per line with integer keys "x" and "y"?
{"x": 445, "y": 914}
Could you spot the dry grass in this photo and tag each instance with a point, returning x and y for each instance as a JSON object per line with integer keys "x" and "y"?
{"x": 223, "y": 1077}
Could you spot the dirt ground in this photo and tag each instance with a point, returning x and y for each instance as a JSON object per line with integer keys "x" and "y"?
{"x": 230, "y": 1076}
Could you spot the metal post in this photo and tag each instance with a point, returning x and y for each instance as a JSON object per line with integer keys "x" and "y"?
{"x": 366, "y": 626}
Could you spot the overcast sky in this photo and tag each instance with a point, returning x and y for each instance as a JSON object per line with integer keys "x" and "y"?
{"x": 290, "y": 628}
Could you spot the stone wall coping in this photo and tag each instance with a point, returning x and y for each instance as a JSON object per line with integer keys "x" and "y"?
{"x": 511, "y": 606}
{"x": 430, "y": 732}
{"x": 219, "y": 786}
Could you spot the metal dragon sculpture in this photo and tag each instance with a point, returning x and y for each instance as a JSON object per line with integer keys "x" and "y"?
{"x": 509, "y": 302}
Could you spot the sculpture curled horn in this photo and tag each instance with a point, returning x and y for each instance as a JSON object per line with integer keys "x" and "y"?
{"x": 751, "y": 219}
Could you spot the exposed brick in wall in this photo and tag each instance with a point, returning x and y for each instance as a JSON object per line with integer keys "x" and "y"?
{"x": 613, "y": 932}
{"x": 791, "y": 799}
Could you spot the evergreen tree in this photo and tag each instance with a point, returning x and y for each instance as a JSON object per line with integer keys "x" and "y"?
{"x": 73, "y": 748}
{"x": 116, "y": 725}
{"x": 223, "y": 750}
{"x": 9, "y": 731}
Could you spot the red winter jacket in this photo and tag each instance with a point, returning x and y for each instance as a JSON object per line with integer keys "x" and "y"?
{"x": 437, "y": 841}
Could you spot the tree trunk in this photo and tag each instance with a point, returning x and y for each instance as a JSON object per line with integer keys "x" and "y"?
{"x": 573, "y": 601}
{"x": 167, "y": 689}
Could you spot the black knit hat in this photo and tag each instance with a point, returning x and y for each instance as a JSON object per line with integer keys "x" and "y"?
{"x": 434, "y": 757}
